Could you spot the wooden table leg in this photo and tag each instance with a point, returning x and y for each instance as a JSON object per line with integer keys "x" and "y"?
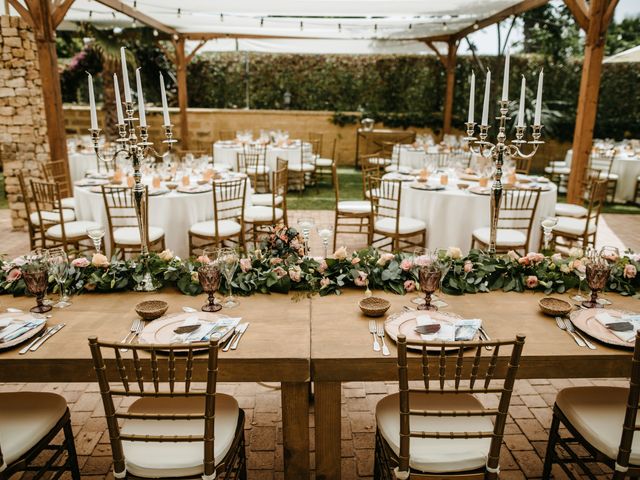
{"x": 295, "y": 429}
{"x": 327, "y": 423}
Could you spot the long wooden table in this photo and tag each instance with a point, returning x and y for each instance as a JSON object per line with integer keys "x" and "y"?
{"x": 276, "y": 348}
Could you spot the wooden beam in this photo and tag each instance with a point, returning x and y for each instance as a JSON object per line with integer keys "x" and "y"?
{"x": 213, "y": 35}
{"x": 183, "y": 97}
{"x": 119, "y": 6}
{"x": 517, "y": 9}
{"x": 195, "y": 50}
{"x": 60, "y": 10}
{"x": 450, "y": 67}
{"x": 608, "y": 15}
{"x": 580, "y": 11}
{"x": 588, "y": 96}
{"x": 23, "y": 12}
{"x": 441, "y": 57}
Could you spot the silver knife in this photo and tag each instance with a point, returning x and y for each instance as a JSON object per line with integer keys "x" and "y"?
{"x": 572, "y": 329}
{"x": 572, "y": 332}
{"x": 46, "y": 337}
{"x": 35, "y": 340}
{"x": 231, "y": 339}
{"x": 243, "y": 328}
{"x": 560, "y": 323}
{"x": 485, "y": 335}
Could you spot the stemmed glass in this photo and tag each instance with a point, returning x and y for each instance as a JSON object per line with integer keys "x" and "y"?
{"x": 209, "y": 276}
{"x": 325, "y": 232}
{"x": 36, "y": 278}
{"x": 581, "y": 273}
{"x": 548, "y": 224}
{"x": 59, "y": 269}
{"x": 228, "y": 259}
{"x": 96, "y": 234}
{"x": 306, "y": 224}
{"x": 598, "y": 271}
{"x": 429, "y": 276}
{"x": 422, "y": 257}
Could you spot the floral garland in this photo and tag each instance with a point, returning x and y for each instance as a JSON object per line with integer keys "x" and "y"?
{"x": 280, "y": 266}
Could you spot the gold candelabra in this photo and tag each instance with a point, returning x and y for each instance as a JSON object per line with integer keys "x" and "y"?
{"x": 496, "y": 151}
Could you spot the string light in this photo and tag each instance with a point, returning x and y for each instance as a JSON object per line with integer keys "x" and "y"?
{"x": 375, "y": 27}
{"x": 445, "y": 27}
{"x": 155, "y": 32}
{"x": 410, "y": 26}
{"x": 135, "y": 3}
{"x": 476, "y": 26}
{"x": 90, "y": 13}
{"x": 339, "y": 27}
{"x": 179, "y": 13}
{"x": 301, "y": 26}
{"x": 114, "y": 14}
{"x": 261, "y": 21}
{"x": 222, "y": 17}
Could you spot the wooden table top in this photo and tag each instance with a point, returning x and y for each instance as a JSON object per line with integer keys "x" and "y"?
{"x": 276, "y": 347}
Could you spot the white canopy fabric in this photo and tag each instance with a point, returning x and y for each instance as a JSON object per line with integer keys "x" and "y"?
{"x": 628, "y": 56}
{"x": 318, "y": 19}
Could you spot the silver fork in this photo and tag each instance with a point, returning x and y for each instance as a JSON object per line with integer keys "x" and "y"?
{"x": 136, "y": 327}
{"x": 572, "y": 329}
{"x": 563, "y": 326}
{"x": 373, "y": 331}
{"x": 385, "y": 349}
{"x": 483, "y": 333}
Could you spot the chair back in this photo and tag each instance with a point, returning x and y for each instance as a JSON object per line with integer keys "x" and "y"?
{"x": 368, "y": 171}
{"x": 56, "y": 172}
{"x": 26, "y": 195}
{"x": 591, "y": 175}
{"x": 228, "y": 200}
{"x": 385, "y": 148}
{"x": 316, "y": 140}
{"x": 518, "y": 210}
{"x": 597, "y": 198}
{"x": 280, "y": 186}
{"x": 252, "y": 157}
{"x": 46, "y": 196}
{"x": 145, "y": 375}
{"x": 523, "y": 165}
{"x": 602, "y": 160}
{"x": 385, "y": 199}
{"x": 436, "y": 159}
{"x": 461, "y": 157}
{"x": 629, "y": 427}
{"x": 471, "y": 374}
{"x": 336, "y": 183}
{"x": 226, "y": 135}
{"x": 119, "y": 203}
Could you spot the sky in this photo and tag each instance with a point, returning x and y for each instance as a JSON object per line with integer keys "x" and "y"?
{"x": 487, "y": 39}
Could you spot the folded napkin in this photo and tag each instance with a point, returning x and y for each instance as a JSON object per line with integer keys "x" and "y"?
{"x": 191, "y": 336}
{"x": 461, "y": 330}
{"x": 18, "y": 328}
{"x": 605, "y": 319}
{"x": 205, "y": 329}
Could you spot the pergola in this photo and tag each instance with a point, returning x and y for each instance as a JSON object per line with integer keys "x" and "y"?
{"x": 440, "y": 25}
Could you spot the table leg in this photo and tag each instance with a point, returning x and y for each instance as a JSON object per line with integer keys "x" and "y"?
{"x": 295, "y": 429}
{"x": 327, "y": 424}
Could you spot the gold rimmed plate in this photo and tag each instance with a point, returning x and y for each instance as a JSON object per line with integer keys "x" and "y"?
{"x": 585, "y": 320}
{"x": 23, "y": 317}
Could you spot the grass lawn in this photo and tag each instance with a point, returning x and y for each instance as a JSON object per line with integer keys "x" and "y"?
{"x": 322, "y": 197}
{"x": 3, "y": 194}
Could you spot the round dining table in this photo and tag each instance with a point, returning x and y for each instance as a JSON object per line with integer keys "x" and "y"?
{"x": 453, "y": 214}
{"x": 226, "y": 152}
{"x": 174, "y": 212}
{"x": 80, "y": 163}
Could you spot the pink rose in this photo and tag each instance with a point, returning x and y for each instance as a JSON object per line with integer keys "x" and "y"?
{"x": 406, "y": 264}
{"x": 513, "y": 255}
{"x": 325, "y": 282}
{"x": 14, "y": 275}
{"x": 280, "y": 272}
{"x": 245, "y": 264}
{"x": 80, "y": 262}
{"x": 322, "y": 267}
{"x": 531, "y": 281}
{"x": 630, "y": 271}
{"x": 90, "y": 287}
{"x": 384, "y": 259}
{"x": 355, "y": 260}
{"x": 275, "y": 261}
{"x": 360, "y": 280}
{"x": 524, "y": 261}
{"x": 422, "y": 261}
{"x": 535, "y": 257}
{"x": 295, "y": 274}
{"x": 468, "y": 266}
{"x": 409, "y": 286}
{"x": 203, "y": 259}
{"x": 99, "y": 260}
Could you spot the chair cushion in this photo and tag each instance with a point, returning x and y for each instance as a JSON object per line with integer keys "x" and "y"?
{"x": 559, "y": 170}
{"x": 260, "y": 213}
{"x": 505, "y": 237}
{"x": 610, "y": 176}
{"x": 208, "y": 228}
{"x": 406, "y": 225}
{"x": 25, "y": 419}
{"x": 437, "y": 455}
{"x": 50, "y": 216}
{"x": 131, "y": 235}
{"x": 324, "y": 162}
{"x": 302, "y": 167}
{"x": 259, "y": 169}
{"x": 68, "y": 202}
{"x": 265, "y": 199}
{"x": 177, "y": 459}
{"x": 573, "y": 226}
{"x": 72, "y": 229}
{"x": 359, "y": 206}
{"x": 570, "y": 210}
{"x": 379, "y": 161}
{"x": 598, "y": 414}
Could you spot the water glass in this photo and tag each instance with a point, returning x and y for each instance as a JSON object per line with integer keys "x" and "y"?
{"x": 228, "y": 260}
{"x": 325, "y": 232}
{"x": 59, "y": 270}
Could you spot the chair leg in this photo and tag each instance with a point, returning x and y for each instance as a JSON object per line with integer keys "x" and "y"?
{"x": 71, "y": 450}
{"x": 551, "y": 448}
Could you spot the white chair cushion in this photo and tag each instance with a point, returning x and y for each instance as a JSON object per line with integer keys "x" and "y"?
{"x": 25, "y": 418}
{"x": 177, "y": 459}
{"x": 430, "y": 454}
{"x": 259, "y": 213}
{"x": 259, "y": 169}
{"x": 570, "y": 210}
{"x": 221, "y": 167}
{"x": 302, "y": 167}
{"x": 598, "y": 414}
{"x": 208, "y": 228}
{"x": 379, "y": 161}
{"x": 505, "y": 237}
{"x": 49, "y": 216}
{"x": 68, "y": 202}
{"x": 610, "y": 176}
{"x": 265, "y": 199}
{"x": 324, "y": 162}
{"x": 406, "y": 225}
{"x": 359, "y": 206}
{"x": 574, "y": 226}
{"x": 72, "y": 229}
{"x": 559, "y": 170}
{"x": 131, "y": 235}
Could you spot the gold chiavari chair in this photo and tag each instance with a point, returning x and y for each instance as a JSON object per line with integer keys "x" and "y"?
{"x": 124, "y": 235}
{"x": 253, "y": 161}
{"x": 396, "y": 154}
{"x": 602, "y": 423}
{"x": 436, "y": 159}
{"x": 523, "y": 165}
{"x": 36, "y": 233}
{"x": 316, "y": 139}
{"x": 227, "y": 225}
{"x": 351, "y": 216}
{"x": 324, "y": 166}
{"x": 442, "y": 430}
{"x": 383, "y": 157}
{"x": 394, "y": 231}
{"x": 267, "y": 199}
{"x": 172, "y": 429}
{"x": 515, "y": 221}
{"x": 369, "y": 171}
{"x": 260, "y": 217}
{"x": 301, "y": 169}
{"x": 579, "y": 211}
{"x": 226, "y": 135}
{"x": 29, "y": 425}
{"x": 582, "y": 231}
{"x": 55, "y": 172}
{"x": 603, "y": 161}
{"x": 558, "y": 172}
{"x": 63, "y": 233}
{"x": 637, "y": 194}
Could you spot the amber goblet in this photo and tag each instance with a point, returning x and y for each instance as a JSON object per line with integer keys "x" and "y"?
{"x": 597, "y": 276}
{"x": 209, "y": 276}
{"x": 429, "y": 277}
{"x": 37, "y": 281}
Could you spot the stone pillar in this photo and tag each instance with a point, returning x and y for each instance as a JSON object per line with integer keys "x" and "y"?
{"x": 23, "y": 128}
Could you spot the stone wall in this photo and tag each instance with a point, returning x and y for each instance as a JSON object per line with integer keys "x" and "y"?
{"x": 23, "y": 129}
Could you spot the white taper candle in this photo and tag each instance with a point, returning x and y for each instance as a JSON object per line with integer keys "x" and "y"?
{"x": 485, "y": 105}
{"x": 165, "y": 108}
{"x": 116, "y": 87}
{"x": 143, "y": 118}
{"x": 536, "y": 118}
{"x": 505, "y": 79}
{"x": 472, "y": 97}
{"x": 92, "y": 104}
{"x": 523, "y": 88}
{"x": 125, "y": 75}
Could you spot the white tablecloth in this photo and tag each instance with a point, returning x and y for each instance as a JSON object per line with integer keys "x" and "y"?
{"x": 627, "y": 167}
{"x": 174, "y": 212}
{"x": 452, "y": 215}
{"x": 79, "y": 163}
{"x": 228, "y": 154}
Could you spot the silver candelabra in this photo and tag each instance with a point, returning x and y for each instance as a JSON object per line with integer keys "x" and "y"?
{"x": 135, "y": 150}
{"x": 496, "y": 152}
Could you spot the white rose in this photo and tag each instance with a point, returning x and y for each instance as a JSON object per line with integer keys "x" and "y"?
{"x": 454, "y": 252}
{"x": 340, "y": 254}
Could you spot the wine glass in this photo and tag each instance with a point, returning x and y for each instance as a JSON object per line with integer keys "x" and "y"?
{"x": 325, "y": 232}
{"x": 36, "y": 277}
{"x": 598, "y": 271}
{"x": 429, "y": 276}
{"x": 96, "y": 234}
{"x": 228, "y": 260}
{"x": 59, "y": 269}
{"x": 209, "y": 277}
{"x": 422, "y": 257}
{"x": 306, "y": 224}
{"x": 548, "y": 224}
